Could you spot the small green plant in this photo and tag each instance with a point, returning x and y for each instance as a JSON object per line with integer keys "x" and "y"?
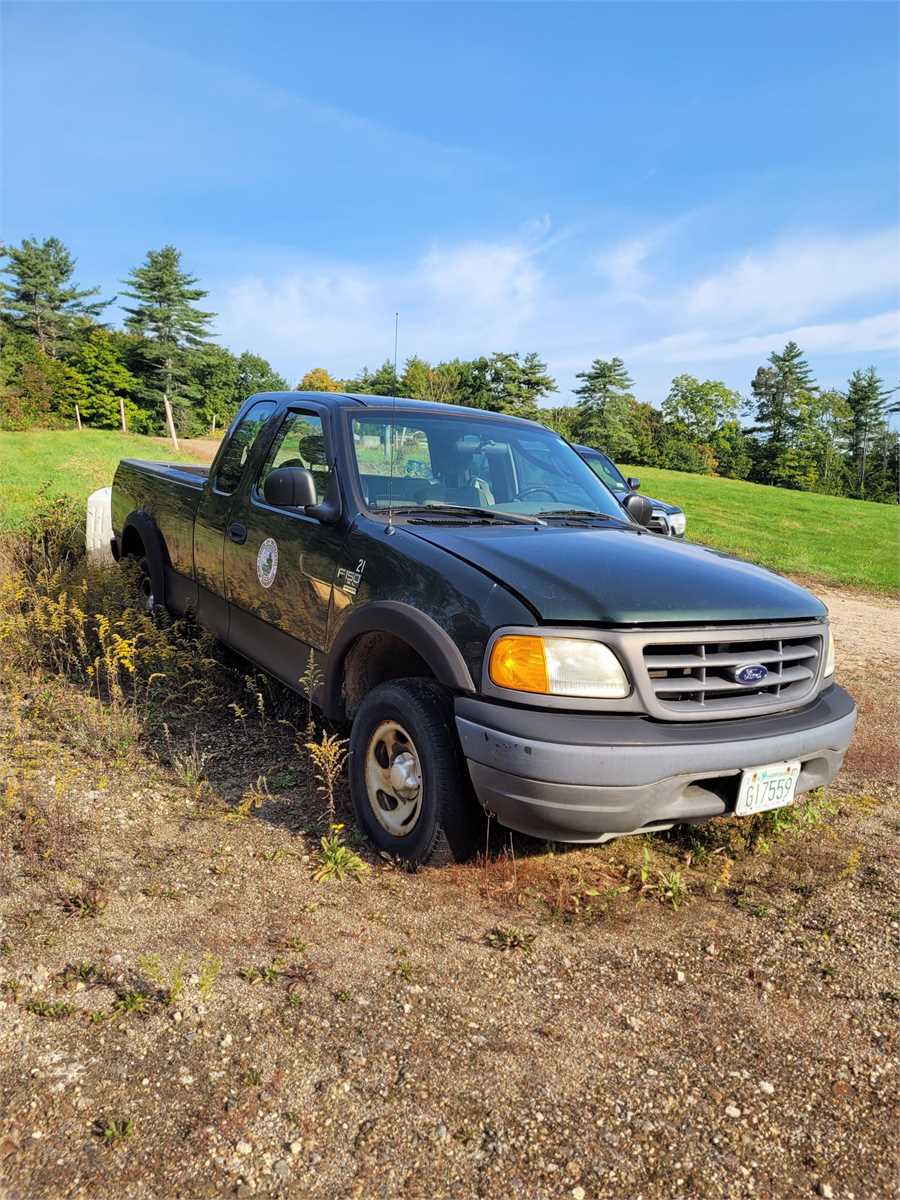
{"x": 671, "y": 887}
{"x": 169, "y": 982}
{"x": 55, "y": 1010}
{"x": 208, "y": 972}
{"x": 508, "y": 937}
{"x": 190, "y": 768}
{"x": 86, "y": 973}
{"x": 132, "y": 1003}
{"x": 403, "y": 968}
{"x": 336, "y": 859}
{"x": 114, "y": 1130}
{"x": 328, "y": 756}
{"x": 85, "y": 905}
{"x": 11, "y": 987}
{"x": 253, "y": 1077}
{"x": 254, "y": 797}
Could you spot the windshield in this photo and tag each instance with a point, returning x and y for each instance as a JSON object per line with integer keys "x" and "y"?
{"x": 606, "y": 470}
{"x": 473, "y": 463}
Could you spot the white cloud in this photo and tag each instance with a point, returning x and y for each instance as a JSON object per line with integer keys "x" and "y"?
{"x": 479, "y": 295}
{"x": 876, "y": 333}
{"x": 797, "y": 278}
{"x": 465, "y": 299}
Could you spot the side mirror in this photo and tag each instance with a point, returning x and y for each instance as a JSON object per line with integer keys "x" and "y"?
{"x": 633, "y": 483}
{"x": 290, "y": 487}
{"x": 639, "y": 508}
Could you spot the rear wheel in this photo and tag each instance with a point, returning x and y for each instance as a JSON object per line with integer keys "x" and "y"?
{"x": 148, "y": 599}
{"x": 408, "y": 780}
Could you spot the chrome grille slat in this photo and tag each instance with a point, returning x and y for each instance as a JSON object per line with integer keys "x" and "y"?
{"x": 688, "y": 683}
{"x": 731, "y": 659}
{"x": 692, "y": 674}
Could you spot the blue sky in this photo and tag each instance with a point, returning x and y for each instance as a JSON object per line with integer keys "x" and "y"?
{"x": 685, "y": 185}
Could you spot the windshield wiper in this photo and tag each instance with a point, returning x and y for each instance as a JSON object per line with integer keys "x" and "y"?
{"x": 584, "y": 513}
{"x": 465, "y": 510}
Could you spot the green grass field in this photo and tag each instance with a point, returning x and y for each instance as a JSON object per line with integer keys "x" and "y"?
{"x": 45, "y": 463}
{"x": 820, "y": 537}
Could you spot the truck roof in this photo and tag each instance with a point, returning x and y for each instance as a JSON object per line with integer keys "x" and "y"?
{"x": 366, "y": 400}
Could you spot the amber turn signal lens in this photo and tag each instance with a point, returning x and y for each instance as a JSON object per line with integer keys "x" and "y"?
{"x": 519, "y": 662}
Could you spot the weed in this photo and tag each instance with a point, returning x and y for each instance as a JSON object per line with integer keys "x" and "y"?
{"x": 55, "y": 1010}
{"x": 328, "y": 756}
{"x": 86, "y": 973}
{"x": 189, "y": 767}
{"x": 170, "y": 983}
{"x": 508, "y": 937}
{"x": 86, "y": 905}
{"x": 337, "y": 860}
{"x": 253, "y": 1077}
{"x": 669, "y": 887}
{"x": 254, "y": 797}
{"x": 132, "y": 1003}
{"x": 208, "y": 972}
{"x": 852, "y": 865}
{"x": 117, "y": 1129}
{"x": 11, "y": 987}
{"x": 403, "y": 968}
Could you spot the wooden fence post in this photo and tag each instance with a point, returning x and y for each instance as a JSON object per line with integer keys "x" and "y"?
{"x": 122, "y": 414}
{"x": 171, "y": 423}
{"x": 77, "y": 417}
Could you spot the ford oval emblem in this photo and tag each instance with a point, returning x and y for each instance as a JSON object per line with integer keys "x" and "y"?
{"x": 751, "y": 673}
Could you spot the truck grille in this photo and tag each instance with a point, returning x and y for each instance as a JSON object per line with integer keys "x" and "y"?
{"x": 698, "y": 677}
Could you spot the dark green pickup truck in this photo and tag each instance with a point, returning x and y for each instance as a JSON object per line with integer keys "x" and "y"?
{"x": 504, "y": 635}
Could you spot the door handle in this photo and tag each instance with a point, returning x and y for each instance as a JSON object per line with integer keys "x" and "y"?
{"x": 237, "y": 532}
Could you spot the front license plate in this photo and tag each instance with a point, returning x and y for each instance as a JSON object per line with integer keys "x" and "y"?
{"x": 767, "y": 787}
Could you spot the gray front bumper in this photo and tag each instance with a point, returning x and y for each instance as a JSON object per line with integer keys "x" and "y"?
{"x": 577, "y": 778}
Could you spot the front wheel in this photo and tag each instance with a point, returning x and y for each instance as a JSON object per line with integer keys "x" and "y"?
{"x": 408, "y": 780}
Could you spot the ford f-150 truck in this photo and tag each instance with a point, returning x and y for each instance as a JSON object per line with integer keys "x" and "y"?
{"x": 501, "y": 634}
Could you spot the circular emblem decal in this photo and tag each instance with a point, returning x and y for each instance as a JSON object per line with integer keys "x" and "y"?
{"x": 267, "y": 562}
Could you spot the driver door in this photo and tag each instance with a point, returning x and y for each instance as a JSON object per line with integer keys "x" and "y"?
{"x": 279, "y": 582}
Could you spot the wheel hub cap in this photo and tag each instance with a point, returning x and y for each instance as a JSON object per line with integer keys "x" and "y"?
{"x": 394, "y": 778}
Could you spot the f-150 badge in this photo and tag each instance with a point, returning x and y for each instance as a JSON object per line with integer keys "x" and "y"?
{"x": 351, "y": 578}
{"x": 267, "y": 563}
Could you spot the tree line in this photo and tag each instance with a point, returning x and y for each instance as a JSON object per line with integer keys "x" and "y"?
{"x": 58, "y": 353}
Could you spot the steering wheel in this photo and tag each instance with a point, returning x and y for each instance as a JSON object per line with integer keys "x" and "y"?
{"x": 529, "y": 491}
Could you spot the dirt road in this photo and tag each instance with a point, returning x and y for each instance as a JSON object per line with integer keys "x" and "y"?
{"x": 210, "y": 1021}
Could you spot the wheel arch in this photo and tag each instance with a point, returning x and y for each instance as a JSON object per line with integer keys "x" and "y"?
{"x": 141, "y": 533}
{"x": 424, "y": 639}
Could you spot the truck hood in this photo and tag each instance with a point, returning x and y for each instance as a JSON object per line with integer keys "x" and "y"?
{"x": 615, "y": 576}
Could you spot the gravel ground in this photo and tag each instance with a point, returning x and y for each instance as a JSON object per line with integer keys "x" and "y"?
{"x": 375, "y": 1039}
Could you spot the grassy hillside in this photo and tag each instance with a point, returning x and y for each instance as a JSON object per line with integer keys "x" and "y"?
{"x": 58, "y": 462}
{"x": 824, "y": 537}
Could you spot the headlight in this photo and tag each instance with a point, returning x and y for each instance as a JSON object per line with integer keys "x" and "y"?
{"x": 557, "y": 666}
{"x": 829, "y": 656}
{"x": 678, "y": 522}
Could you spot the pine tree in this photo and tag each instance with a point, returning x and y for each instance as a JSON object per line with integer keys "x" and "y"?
{"x": 166, "y": 318}
{"x": 604, "y": 400}
{"x": 778, "y": 390}
{"x": 516, "y": 385}
{"x": 107, "y": 378}
{"x": 866, "y": 399}
{"x": 42, "y": 300}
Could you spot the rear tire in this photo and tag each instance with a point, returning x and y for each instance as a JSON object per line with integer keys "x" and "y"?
{"x": 408, "y": 779}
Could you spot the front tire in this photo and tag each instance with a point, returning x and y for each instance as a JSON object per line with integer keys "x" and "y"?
{"x": 408, "y": 779}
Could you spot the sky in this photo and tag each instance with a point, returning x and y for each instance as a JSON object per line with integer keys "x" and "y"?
{"x": 684, "y": 185}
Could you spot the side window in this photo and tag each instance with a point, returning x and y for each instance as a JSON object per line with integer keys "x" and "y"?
{"x": 300, "y": 442}
{"x": 231, "y": 468}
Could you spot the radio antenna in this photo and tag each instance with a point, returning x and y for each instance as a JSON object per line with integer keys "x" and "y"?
{"x": 393, "y": 429}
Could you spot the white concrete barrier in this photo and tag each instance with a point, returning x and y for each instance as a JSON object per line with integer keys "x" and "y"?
{"x": 98, "y": 532}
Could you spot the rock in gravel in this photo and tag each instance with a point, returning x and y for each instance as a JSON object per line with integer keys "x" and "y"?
{"x": 281, "y": 1168}
{"x": 825, "y": 1190}
{"x": 732, "y": 1110}
{"x": 295, "y": 1147}
{"x": 767, "y": 1088}
{"x": 243, "y": 1148}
